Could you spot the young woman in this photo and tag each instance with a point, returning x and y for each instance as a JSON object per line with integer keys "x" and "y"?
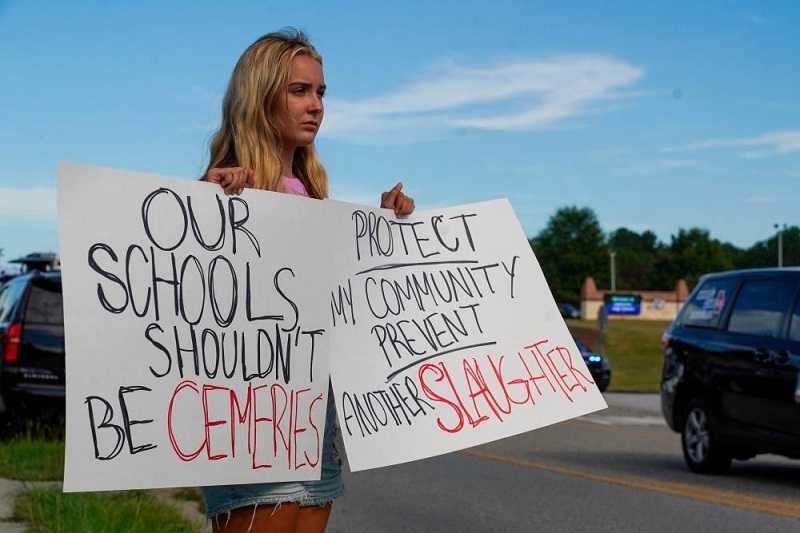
{"x": 270, "y": 116}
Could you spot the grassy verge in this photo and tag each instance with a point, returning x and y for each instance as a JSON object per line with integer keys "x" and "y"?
{"x": 189, "y": 494}
{"x": 193, "y": 495}
{"x": 633, "y": 349}
{"x": 132, "y": 512}
{"x": 32, "y": 459}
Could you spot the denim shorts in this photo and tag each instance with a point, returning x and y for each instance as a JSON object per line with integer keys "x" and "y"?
{"x": 226, "y": 498}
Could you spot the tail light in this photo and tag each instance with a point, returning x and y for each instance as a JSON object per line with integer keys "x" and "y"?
{"x": 11, "y": 344}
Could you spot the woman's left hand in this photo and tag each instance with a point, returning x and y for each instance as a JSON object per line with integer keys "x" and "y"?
{"x": 395, "y": 199}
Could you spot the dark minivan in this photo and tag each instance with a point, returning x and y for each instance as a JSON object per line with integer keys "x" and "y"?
{"x": 731, "y": 376}
{"x": 31, "y": 342}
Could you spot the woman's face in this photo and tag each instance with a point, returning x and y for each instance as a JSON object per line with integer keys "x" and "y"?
{"x": 300, "y": 121}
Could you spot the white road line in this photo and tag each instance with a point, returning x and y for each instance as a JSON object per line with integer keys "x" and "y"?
{"x": 624, "y": 420}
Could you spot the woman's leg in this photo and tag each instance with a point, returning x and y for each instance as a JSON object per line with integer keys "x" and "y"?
{"x": 280, "y": 518}
{"x": 313, "y": 519}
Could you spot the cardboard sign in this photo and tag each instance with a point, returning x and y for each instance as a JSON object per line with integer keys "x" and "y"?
{"x": 445, "y": 335}
{"x": 199, "y": 330}
{"x": 197, "y": 351}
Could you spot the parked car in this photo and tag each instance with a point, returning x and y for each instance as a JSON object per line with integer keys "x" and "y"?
{"x": 31, "y": 342}
{"x": 569, "y": 311}
{"x": 597, "y": 364}
{"x": 731, "y": 377}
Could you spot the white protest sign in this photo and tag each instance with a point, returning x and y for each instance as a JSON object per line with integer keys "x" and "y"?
{"x": 198, "y": 329}
{"x": 195, "y": 332}
{"x": 445, "y": 335}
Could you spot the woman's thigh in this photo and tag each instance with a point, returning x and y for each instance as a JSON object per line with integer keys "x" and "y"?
{"x": 280, "y": 518}
{"x": 313, "y": 519}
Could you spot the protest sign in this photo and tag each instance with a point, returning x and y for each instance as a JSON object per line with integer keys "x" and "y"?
{"x": 199, "y": 329}
{"x": 197, "y": 351}
{"x": 445, "y": 335}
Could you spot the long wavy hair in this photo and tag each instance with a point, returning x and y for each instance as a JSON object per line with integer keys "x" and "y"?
{"x": 248, "y": 135}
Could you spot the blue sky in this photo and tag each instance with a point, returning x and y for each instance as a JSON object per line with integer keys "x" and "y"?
{"x": 658, "y": 117}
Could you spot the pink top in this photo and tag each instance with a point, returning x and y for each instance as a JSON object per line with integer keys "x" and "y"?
{"x": 293, "y": 185}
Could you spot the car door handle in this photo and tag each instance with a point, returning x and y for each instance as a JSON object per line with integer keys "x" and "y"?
{"x": 782, "y": 357}
{"x": 761, "y": 355}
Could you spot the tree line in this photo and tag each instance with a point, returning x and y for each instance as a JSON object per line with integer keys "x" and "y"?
{"x": 572, "y": 246}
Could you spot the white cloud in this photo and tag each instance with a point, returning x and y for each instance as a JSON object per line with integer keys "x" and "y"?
{"x": 519, "y": 95}
{"x": 766, "y": 145}
{"x": 28, "y": 203}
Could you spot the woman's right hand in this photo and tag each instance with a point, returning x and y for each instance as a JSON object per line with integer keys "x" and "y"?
{"x": 233, "y": 180}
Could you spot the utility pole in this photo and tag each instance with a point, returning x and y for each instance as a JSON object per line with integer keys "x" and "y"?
{"x": 613, "y": 254}
{"x": 780, "y": 243}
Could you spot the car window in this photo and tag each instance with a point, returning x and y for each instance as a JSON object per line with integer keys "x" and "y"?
{"x": 9, "y": 296}
{"x": 761, "y": 307}
{"x": 45, "y": 305}
{"x": 708, "y": 303}
{"x": 794, "y": 327}
{"x": 3, "y": 302}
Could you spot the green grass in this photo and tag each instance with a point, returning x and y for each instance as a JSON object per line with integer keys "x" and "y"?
{"x": 32, "y": 459}
{"x": 132, "y": 512}
{"x": 190, "y": 494}
{"x": 633, "y": 350}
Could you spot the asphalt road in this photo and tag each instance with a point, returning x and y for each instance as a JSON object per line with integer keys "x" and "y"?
{"x": 617, "y": 470}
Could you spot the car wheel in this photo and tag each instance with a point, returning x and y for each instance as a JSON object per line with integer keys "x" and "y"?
{"x": 702, "y": 450}
{"x": 602, "y": 385}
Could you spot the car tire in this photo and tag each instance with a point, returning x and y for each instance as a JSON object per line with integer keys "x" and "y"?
{"x": 702, "y": 450}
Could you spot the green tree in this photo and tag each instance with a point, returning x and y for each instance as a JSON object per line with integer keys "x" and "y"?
{"x": 635, "y": 258}
{"x": 691, "y": 254}
{"x": 765, "y": 253}
{"x": 569, "y": 248}
{"x": 739, "y": 256}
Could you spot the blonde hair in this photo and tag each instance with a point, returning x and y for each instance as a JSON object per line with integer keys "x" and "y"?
{"x": 248, "y": 135}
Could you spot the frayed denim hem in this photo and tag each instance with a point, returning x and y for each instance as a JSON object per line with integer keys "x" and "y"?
{"x": 301, "y": 498}
{"x": 322, "y": 499}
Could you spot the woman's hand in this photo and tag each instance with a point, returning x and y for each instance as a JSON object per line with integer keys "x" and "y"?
{"x": 395, "y": 199}
{"x": 233, "y": 180}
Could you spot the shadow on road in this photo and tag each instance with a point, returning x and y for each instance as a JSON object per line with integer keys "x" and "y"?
{"x": 769, "y": 473}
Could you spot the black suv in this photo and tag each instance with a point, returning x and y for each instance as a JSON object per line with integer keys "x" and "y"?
{"x": 731, "y": 378}
{"x": 31, "y": 342}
